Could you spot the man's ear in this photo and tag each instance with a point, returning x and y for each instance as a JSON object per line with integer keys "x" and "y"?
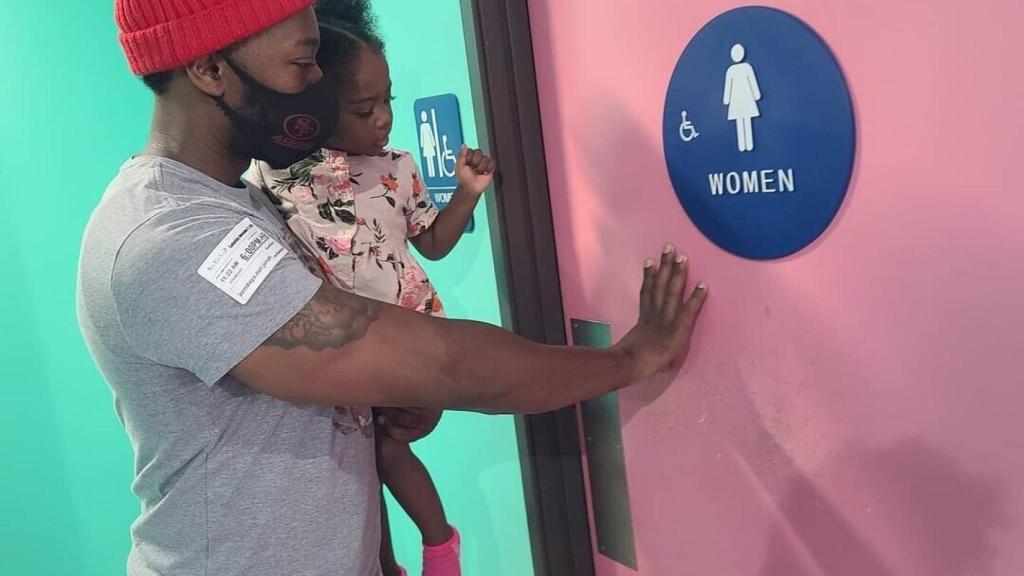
{"x": 207, "y": 74}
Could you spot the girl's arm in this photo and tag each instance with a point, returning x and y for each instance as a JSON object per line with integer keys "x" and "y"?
{"x": 475, "y": 171}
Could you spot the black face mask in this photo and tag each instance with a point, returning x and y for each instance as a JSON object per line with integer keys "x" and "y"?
{"x": 286, "y": 127}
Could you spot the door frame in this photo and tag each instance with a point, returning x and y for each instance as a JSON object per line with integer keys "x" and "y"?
{"x": 504, "y": 85}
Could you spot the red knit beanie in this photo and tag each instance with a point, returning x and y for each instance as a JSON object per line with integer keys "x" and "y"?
{"x": 159, "y": 35}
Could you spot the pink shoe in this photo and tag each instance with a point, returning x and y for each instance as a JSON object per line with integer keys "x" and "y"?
{"x": 443, "y": 560}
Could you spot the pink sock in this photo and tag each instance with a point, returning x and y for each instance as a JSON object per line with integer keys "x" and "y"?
{"x": 443, "y": 560}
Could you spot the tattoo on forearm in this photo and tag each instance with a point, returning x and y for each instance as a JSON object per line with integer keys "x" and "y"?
{"x": 332, "y": 319}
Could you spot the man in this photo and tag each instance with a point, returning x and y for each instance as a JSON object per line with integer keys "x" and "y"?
{"x": 227, "y": 354}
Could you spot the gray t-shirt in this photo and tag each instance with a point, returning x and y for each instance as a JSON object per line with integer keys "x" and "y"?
{"x": 231, "y": 481}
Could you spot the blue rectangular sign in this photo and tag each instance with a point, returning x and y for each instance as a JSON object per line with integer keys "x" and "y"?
{"x": 439, "y": 135}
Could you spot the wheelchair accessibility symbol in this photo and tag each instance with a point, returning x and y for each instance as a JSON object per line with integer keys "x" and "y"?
{"x": 686, "y": 130}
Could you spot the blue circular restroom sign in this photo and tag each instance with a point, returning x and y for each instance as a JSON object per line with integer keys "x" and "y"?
{"x": 759, "y": 133}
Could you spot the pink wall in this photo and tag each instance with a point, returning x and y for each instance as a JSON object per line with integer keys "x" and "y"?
{"x": 854, "y": 410}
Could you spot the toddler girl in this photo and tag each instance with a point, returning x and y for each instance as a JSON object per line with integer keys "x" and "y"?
{"x": 357, "y": 205}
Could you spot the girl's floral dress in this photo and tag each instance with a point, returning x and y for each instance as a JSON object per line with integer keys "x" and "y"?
{"x": 356, "y": 214}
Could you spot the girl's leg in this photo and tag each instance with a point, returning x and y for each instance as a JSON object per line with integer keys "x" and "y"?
{"x": 748, "y": 127}
{"x": 412, "y": 487}
{"x": 741, "y": 135}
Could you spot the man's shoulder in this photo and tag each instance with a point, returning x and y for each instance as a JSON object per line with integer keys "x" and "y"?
{"x": 154, "y": 196}
{"x": 155, "y": 209}
{"x": 131, "y": 199}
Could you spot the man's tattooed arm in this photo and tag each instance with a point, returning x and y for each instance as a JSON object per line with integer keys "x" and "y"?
{"x": 330, "y": 320}
{"x": 345, "y": 350}
{"x": 323, "y": 353}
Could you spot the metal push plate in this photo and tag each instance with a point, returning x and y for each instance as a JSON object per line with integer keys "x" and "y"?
{"x": 606, "y": 464}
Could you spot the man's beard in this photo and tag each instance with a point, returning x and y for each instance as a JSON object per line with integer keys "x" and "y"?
{"x": 248, "y": 113}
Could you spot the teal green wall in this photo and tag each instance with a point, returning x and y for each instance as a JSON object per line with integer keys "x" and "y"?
{"x": 70, "y": 114}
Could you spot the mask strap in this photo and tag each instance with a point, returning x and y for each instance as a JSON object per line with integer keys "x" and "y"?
{"x": 242, "y": 74}
{"x": 239, "y": 123}
{"x": 249, "y": 83}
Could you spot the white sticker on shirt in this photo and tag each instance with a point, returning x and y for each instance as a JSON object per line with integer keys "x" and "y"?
{"x": 242, "y": 261}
